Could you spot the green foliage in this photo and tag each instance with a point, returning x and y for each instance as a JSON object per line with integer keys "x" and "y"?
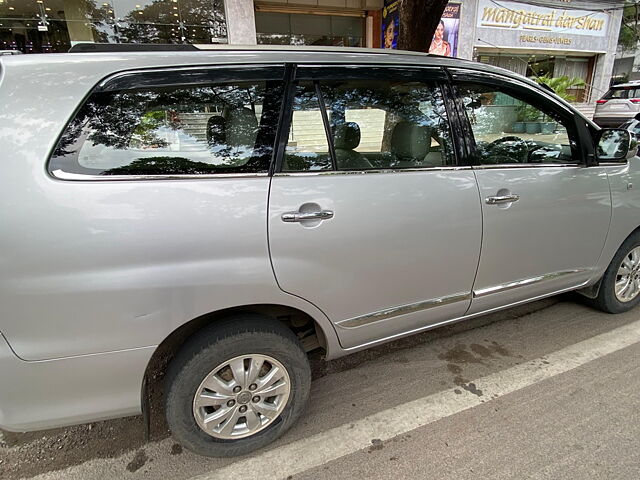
{"x": 144, "y": 135}
{"x": 528, "y": 113}
{"x": 627, "y": 38}
{"x": 629, "y": 35}
{"x": 562, "y": 85}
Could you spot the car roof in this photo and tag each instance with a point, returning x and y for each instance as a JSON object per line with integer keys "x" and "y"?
{"x": 271, "y": 53}
{"x": 249, "y": 54}
{"x": 97, "y": 65}
{"x": 632, "y": 83}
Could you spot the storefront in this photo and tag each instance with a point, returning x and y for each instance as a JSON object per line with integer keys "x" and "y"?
{"x": 43, "y": 26}
{"x": 561, "y": 38}
{"x": 576, "y": 39}
{"x": 554, "y": 38}
{"x": 284, "y": 24}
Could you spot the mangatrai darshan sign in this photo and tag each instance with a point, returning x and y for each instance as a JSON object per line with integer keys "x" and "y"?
{"x": 518, "y": 16}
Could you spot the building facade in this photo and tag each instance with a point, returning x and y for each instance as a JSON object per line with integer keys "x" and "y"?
{"x": 551, "y": 38}
{"x": 576, "y": 38}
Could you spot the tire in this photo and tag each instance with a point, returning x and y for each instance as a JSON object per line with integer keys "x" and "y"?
{"x": 195, "y": 368}
{"x": 607, "y": 300}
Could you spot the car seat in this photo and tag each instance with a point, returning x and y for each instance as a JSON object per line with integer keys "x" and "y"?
{"x": 346, "y": 137}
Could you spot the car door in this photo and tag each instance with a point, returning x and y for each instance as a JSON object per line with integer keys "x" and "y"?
{"x": 545, "y": 213}
{"x": 370, "y": 218}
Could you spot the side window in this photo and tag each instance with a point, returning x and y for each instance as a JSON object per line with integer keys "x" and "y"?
{"x": 172, "y": 131}
{"x": 374, "y": 124}
{"x": 307, "y": 145}
{"x": 508, "y": 130}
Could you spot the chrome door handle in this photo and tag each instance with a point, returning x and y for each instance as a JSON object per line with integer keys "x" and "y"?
{"x": 501, "y": 199}
{"x": 300, "y": 217}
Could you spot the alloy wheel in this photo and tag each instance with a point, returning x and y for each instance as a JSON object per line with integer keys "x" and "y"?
{"x": 627, "y": 284}
{"x": 241, "y": 397}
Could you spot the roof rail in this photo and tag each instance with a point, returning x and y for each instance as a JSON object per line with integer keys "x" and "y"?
{"x": 131, "y": 47}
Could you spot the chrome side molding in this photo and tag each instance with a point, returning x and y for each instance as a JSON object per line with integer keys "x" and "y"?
{"x": 459, "y": 319}
{"x": 387, "y": 313}
{"x": 356, "y": 322}
{"x": 482, "y": 292}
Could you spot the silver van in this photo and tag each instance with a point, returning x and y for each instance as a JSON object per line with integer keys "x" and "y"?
{"x": 225, "y": 211}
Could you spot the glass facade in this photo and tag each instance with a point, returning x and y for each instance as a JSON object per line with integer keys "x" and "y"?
{"x": 306, "y": 29}
{"x": 43, "y": 26}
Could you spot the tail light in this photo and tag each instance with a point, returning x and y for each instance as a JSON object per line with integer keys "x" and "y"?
{"x": 634, "y": 100}
{"x": 601, "y": 102}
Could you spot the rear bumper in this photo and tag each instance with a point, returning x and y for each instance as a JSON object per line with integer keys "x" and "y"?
{"x": 54, "y": 393}
{"x": 612, "y": 122}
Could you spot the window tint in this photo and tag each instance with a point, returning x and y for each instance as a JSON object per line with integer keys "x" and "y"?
{"x": 375, "y": 124}
{"x": 224, "y": 128}
{"x": 508, "y": 130}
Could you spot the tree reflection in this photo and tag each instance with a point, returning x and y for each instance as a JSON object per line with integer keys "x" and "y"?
{"x": 170, "y": 130}
{"x": 153, "y": 22}
{"x": 410, "y": 104}
{"x": 163, "y": 166}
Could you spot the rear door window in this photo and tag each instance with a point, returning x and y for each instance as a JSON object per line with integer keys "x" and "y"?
{"x": 373, "y": 124}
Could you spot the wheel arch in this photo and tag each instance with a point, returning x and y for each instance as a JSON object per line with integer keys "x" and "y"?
{"x": 311, "y": 332}
{"x": 592, "y": 291}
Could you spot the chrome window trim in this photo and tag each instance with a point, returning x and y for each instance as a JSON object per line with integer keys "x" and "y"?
{"x": 613, "y": 164}
{"x": 482, "y": 292}
{"x": 62, "y": 175}
{"x": 387, "y": 313}
{"x": 363, "y": 172}
{"x": 527, "y": 165}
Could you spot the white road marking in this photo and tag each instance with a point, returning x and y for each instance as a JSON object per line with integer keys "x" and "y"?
{"x": 338, "y": 442}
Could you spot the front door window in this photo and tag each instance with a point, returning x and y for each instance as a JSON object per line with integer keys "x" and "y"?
{"x": 510, "y": 131}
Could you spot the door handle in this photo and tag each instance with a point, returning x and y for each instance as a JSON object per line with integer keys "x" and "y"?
{"x": 302, "y": 216}
{"x": 498, "y": 199}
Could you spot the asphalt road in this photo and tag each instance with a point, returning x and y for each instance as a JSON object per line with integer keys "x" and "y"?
{"x": 547, "y": 390}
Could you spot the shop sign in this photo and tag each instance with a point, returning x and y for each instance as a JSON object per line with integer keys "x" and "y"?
{"x": 546, "y": 40}
{"x": 445, "y": 38}
{"x": 533, "y": 19}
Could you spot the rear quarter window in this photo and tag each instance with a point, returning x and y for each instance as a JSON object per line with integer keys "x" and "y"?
{"x": 180, "y": 130}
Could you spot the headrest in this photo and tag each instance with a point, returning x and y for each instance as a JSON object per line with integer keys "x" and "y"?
{"x": 346, "y": 136}
{"x": 410, "y": 140}
{"x": 241, "y": 126}
{"x": 216, "y": 129}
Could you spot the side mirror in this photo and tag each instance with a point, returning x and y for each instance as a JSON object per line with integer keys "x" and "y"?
{"x": 615, "y": 144}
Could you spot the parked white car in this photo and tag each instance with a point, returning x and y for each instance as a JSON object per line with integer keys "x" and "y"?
{"x": 619, "y": 104}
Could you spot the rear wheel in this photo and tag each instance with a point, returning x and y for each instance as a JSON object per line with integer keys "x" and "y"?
{"x": 620, "y": 286}
{"x": 236, "y": 386}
